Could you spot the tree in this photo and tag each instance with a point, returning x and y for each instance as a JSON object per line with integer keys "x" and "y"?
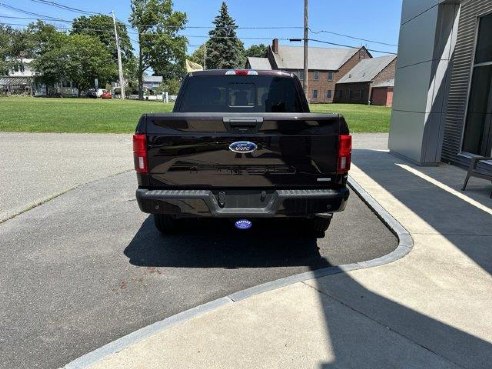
{"x": 44, "y": 37}
{"x": 160, "y": 46}
{"x": 6, "y": 37}
{"x": 224, "y": 49}
{"x": 172, "y": 86}
{"x": 198, "y": 55}
{"x": 14, "y": 45}
{"x": 80, "y": 59}
{"x": 258, "y": 51}
{"x": 102, "y": 27}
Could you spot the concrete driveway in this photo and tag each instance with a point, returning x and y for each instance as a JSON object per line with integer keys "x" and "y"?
{"x": 36, "y": 167}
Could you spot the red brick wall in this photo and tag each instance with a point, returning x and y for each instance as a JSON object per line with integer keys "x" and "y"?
{"x": 387, "y": 73}
{"x": 342, "y": 94}
{"x": 322, "y": 84}
{"x": 382, "y": 96}
{"x": 389, "y": 101}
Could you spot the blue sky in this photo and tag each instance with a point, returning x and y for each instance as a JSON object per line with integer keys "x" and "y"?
{"x": 376, "y": 20}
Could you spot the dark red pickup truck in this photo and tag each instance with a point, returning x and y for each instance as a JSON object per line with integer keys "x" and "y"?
{"x": 241, "y": 144}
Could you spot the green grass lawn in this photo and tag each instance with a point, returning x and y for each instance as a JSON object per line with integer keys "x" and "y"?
{"x": 24, "y": 114}
{"x": 360, "y": 118}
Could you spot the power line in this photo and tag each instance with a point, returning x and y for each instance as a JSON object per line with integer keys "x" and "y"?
{"x": 65, "y": 7}
{"x": 227, "y": 37}
{"x": 36, "y": 19}
{"x": 352, "y": 47}
{"x": 31, "y": 13}
{"x": 353, "y": 37}
{"x": 89, "y": 12}
{"x": 46, "y": 17}
{"x": 213, "y": 27}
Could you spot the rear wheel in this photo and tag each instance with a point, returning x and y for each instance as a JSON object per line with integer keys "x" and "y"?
{"x": 166, "y": 224}
{"x": 317, "y": 226}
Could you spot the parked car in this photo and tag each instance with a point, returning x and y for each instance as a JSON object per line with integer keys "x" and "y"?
{"x": 91, "y": 93}
{"x": 242, "y": 144}
{"x": 106, "y": 95}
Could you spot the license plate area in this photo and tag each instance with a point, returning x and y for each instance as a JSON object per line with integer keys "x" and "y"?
{"x": 244, "y": 199}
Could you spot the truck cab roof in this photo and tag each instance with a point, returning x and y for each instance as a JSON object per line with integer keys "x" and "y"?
{"x": 223, "y": 72}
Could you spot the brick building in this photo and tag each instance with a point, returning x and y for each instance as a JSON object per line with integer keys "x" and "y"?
{"x": 368, "y": 81}
{"x": 382, "y": 93}
{"x": 326, "y": 66}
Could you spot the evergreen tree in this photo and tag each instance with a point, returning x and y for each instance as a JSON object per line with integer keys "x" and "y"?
{"x": 224, "y": 49}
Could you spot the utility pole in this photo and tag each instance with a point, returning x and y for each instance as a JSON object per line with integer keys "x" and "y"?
{"x": 120, "y": 64}
{"x": 306, "y": 49}
{"x": 205, "y": 56}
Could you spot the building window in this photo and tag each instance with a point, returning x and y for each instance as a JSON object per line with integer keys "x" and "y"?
{"x": 301, "y": 75}
{"x": 330, "y": 76}
{"x": 339, "y": 94}
{"x": 350, "y": 94}
{"x": 357, "y": 94}
{"x": 328, "y": 94}
{"x": 478, "y": 126}
{"x": 315, "y": 94}
{"x": 316, "y": 75}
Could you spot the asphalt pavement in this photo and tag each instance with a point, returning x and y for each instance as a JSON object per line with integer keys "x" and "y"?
{"x": 88, "y": 267}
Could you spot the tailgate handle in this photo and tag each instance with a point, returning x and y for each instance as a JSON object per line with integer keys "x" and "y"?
{"x": 246, "y": 122}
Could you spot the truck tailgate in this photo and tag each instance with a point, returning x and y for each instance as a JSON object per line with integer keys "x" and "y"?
{"x": 203, "y": 150}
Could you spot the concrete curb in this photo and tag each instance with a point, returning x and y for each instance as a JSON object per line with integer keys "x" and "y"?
{"x": 405, "y": 245}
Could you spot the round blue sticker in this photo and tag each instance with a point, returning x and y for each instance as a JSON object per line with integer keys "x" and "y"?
{"x": 243, "y": 224}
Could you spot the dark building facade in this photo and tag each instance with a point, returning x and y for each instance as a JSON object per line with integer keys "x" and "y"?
{"x": 442, "y": 108}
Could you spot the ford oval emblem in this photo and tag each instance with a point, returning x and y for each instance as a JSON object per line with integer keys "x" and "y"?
{"x": 243, "y": 224}
{"x": 243, "y": 147}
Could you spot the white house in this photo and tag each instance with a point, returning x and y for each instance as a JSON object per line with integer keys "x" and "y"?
{"x": 20, "y": 77}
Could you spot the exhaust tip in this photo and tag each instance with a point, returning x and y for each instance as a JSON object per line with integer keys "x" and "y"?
{"x": 243, "y": 224}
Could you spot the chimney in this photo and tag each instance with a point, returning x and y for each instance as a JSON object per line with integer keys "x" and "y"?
{"x": 275, "y": 45}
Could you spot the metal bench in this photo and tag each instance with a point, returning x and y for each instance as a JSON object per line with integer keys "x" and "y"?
{"x": 474, "y": 171}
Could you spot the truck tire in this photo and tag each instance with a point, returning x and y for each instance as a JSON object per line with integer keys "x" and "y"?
{"x": 166, "y": 224}
{"x": 317, "y": 226}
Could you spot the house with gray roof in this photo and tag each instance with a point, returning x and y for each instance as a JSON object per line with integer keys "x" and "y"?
{"x": 150, "y": 83}
{"x": 370, "y": 81}
{"x": 258, "y": 63}
{"x": 326, "y": 66}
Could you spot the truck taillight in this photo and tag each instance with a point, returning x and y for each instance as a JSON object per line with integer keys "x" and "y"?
{"x": 344, "y": 153}
{"x": 241, "y": 72}
{"x": 140, "y": 153}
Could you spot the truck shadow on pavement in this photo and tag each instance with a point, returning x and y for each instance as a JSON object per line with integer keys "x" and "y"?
{"x": 216, "y": 244}
{"x": 368, "y": 330}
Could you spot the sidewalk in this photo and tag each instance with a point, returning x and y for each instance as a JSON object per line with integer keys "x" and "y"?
{"x": 37, "y": 167}
{"x": 430, "y": 309}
